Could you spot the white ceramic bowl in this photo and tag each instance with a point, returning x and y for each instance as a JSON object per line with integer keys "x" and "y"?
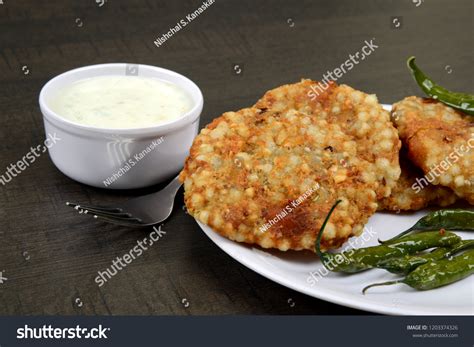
{"x": 91, "y": 155}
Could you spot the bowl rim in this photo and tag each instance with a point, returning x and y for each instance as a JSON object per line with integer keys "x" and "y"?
{"x": 187, "y": 118}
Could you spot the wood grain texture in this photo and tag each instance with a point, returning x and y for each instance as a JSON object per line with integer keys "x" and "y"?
{"x": 65, "y": 250}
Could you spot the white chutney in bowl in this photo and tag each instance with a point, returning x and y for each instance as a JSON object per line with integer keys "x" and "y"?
{"x": 120, "y": 126}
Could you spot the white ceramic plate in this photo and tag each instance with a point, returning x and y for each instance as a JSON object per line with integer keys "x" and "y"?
{"x": 294, "y": 269}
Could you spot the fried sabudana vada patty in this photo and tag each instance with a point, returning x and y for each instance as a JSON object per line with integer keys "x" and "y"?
{"x": 405, "y": 198}
{"x": 268, "y": 175}
{"x": 358, "y": 115}
{"x": 440, "y": 141}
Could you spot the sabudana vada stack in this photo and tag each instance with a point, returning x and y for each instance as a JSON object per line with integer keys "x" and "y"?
{"x": 268, "y": 174}
{"x": 440, "y": 141}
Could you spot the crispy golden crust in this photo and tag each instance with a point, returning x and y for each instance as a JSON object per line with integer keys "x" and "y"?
{"x": 440, "y": 141}
{"x": 269, "y": 177}
{"x": 405, "y": 196}
{"x": 357, "y": 114}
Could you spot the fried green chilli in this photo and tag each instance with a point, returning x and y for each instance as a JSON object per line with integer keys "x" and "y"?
{"x": 405, "y": 265}
{"x": 436, "y": 274}
{"x": 356, "y": 260}
{"x": 460, "y": 101}
{"x": 448, "y": 219}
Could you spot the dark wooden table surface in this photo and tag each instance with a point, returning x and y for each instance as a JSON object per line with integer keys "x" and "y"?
{"x": 50, "y": 255}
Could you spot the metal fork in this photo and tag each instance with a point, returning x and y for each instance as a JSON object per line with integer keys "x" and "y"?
{"x": 144, "y": 211}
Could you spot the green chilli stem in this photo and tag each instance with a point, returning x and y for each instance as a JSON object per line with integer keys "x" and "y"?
{"x": 322, "y": 255}
{"x": 396, "y": 237}
{"x": 381, "y": 284}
